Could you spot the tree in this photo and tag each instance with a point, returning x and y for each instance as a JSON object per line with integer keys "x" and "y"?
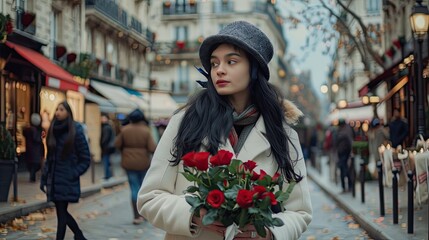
{"x": 329, "y": 23}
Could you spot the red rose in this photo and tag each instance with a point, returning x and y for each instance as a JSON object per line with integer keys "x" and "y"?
{"x": 271, "y": 196}
{"x": 245, "y": 198}
{"x": 188, "y": 159}
{"x": 276, "y": 177}
{"x": 200, "y": 160}
{"x": 259, "y": 189}
{"x": 223, "y": 157}
{"x": 262, "y": 174}
{"x": 249, "y": 165}
{"x": 255, "y": 176}
{"x": 215, "y": 198}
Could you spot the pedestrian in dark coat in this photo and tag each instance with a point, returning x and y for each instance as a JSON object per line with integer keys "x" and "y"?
{"x": 34, "y": 148}
{"x": 343, "y": 144}
{"x": 107, "y": 141}
{"x": 67, "y": 159}
{"x": 398, "y": 128}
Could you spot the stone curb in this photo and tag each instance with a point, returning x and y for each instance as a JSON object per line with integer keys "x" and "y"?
{"x": 25, "y": 209}
{"x": 371, "y": 228}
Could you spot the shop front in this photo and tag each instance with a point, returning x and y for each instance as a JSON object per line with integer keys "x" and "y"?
{"x": 31, "y": 83}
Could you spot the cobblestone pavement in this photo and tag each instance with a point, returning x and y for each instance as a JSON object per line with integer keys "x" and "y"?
{"x": 107, "y": 215}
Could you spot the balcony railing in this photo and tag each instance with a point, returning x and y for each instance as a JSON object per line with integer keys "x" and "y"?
{"x": 136, "y": 25}
{"x": 223, "y": 6}
{"x": 177, "y": 47}
{"x": 170, "y": 8}
{"x": 110, "y": 9}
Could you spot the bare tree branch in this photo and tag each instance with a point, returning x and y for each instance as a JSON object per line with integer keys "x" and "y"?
{"x": 371, "y": 51}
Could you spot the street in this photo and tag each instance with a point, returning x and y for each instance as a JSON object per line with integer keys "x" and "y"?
{"x": 108, "y": 216}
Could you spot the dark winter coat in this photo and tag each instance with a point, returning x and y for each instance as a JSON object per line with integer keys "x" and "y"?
{"x": 61, "y": 175}
{"x": 107, "y": 139}
{"x": 34, "y": 149}
{"x": 398, "y": 130}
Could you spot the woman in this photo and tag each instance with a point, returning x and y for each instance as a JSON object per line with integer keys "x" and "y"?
{"x": 239, "y": 112}
{"x": 136, "y": 144}
{"x": 67, "y": 159}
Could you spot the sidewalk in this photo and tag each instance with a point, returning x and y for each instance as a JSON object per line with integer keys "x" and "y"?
{"x": 368, "y": 214}
{"x": 31, "y": 198}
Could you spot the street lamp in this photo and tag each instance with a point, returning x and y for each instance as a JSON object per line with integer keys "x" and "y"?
{"x": 150, "y": 57}
{"x": 419, "y": 20}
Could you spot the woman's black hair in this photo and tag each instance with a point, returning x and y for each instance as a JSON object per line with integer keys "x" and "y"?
{"x": 209, "y": 116}
{"x": 69, "y": 144}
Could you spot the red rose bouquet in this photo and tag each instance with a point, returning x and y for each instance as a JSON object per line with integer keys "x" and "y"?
{"x": 232, "y": 192}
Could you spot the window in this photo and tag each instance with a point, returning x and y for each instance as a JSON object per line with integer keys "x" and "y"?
{"x": 373, "y": 6}
{"x": 181, "y": 33}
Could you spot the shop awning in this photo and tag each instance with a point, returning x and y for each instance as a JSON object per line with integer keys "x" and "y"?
{"x": 162, "y": 105}
{"x": 117, "y": 95}
{"x": 56, "y": 76}
{"x": 137, "y": 97}
{"x": 364, "y": 113}
{"x": 105, "y": 105}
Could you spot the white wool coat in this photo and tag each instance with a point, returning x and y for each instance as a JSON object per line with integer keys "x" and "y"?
{"x": 162, "y": 202}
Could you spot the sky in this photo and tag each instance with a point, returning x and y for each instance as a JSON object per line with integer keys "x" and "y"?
{"x": 314, "y": 61}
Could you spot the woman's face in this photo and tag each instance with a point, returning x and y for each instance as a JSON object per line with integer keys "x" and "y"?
{"x": 61, "y": 113}
{"x": 230, "y": 69}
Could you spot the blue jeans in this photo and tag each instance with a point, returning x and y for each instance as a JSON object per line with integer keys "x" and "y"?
{"x": 106, "y": 162}
{"x": 135, "y": 179}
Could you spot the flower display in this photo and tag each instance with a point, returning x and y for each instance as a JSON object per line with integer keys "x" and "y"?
{"x": 232, "y": 192}
{"x": 6, "y": 26}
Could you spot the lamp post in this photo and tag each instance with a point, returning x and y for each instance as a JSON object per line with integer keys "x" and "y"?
{"x": 419, "y": 20}
{"x": 150, "y": 57}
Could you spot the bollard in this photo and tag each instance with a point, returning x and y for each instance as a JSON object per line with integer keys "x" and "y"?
{"x": 395, "y": 194}
{"x": 410, "y": 202}
{"x": 353, "y": 177}
{"x": 15, "y": 180}
{"x": 92, "y": 170}
{"x": 362, "y": 180}
{"x": 380, "y": 186}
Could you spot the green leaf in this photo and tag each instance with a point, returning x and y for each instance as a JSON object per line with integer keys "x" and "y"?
{"x": 260, "y": 228}
{"x": 243, "y": 218}
{"x": 284, "y": 196}
{"x": 277, "y": 222}
{"x": 253, "y": 210}
{"x": 232, "y": 193}
{"x": 210, "y": 217}
{"x": 191, "y": 189}
{"x": 190, "y": 177}
{"x": 194, "y": 201}
{"x": 233, "y": 166}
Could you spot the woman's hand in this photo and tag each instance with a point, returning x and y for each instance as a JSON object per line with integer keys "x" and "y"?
{"x": 249, "y": 232}
{"x": 215, "y": 227}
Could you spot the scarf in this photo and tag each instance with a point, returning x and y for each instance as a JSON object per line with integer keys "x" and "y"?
{"x": 60, "y": 127}
{"x": 247, "y": 119}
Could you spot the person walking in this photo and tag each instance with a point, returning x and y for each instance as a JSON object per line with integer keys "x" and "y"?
{"x": 107, "y": 141}
{"x": 398, "y": 128}
{"x": 34, "y": 148}
{"x": 67, "y": 159}
{"x": 240, "y": 112}
{"x": 343, "y": 143}
{"x": 377, "y": 136}
{"x": 136, "y": 144}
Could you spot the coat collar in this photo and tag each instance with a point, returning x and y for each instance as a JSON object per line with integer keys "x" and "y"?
{"x": 255, "y": 143}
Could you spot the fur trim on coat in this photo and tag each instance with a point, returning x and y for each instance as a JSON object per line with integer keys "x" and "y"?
{"x": 292, "y": 113}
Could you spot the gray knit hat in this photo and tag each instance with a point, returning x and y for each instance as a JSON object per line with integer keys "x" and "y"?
{"x": 245, "y": 36}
